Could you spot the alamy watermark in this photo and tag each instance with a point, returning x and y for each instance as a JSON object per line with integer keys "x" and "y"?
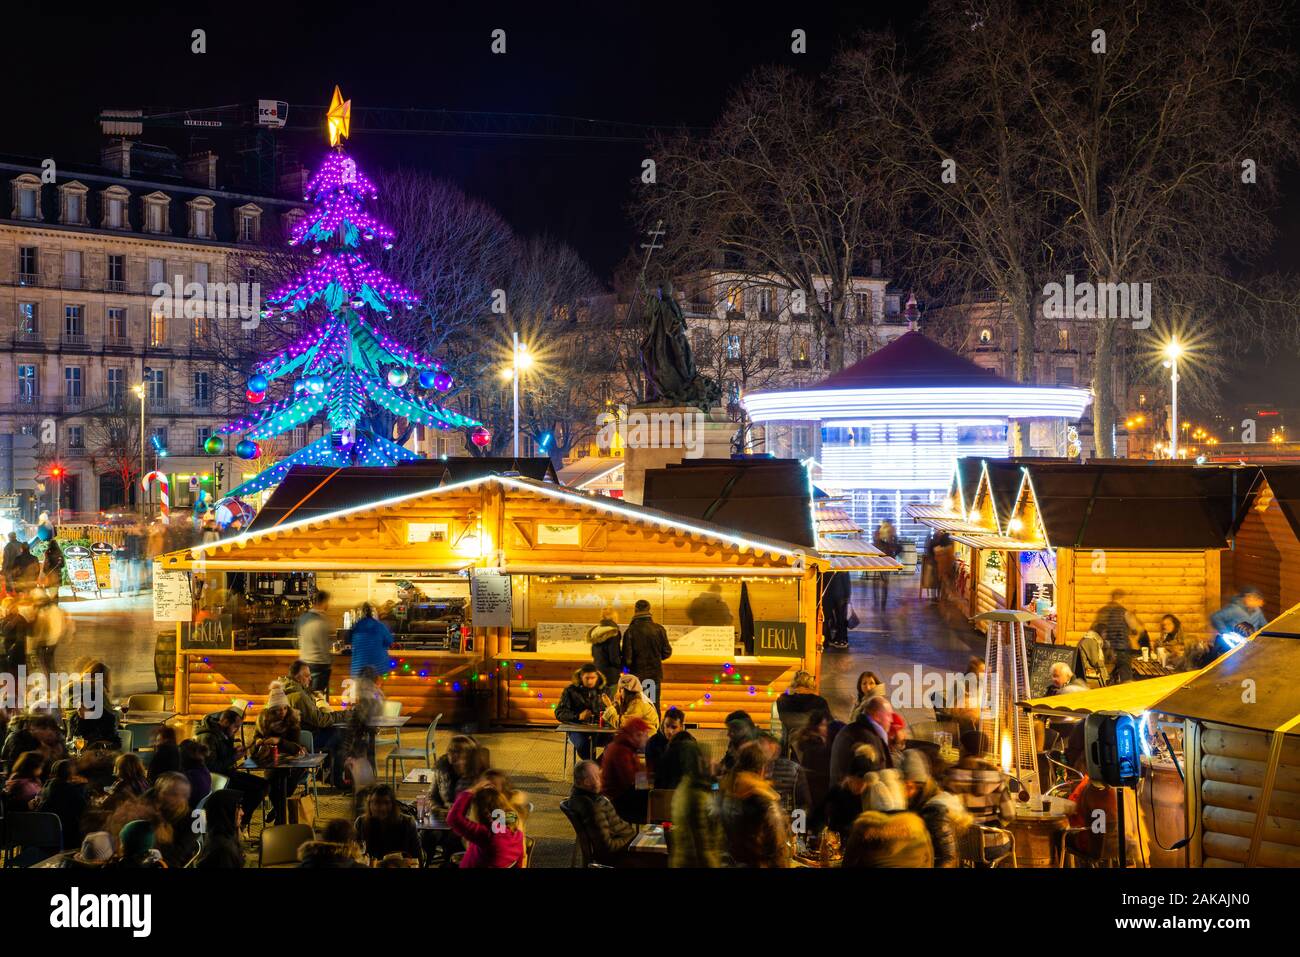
{"x": 32, "y": 691}
{"x": 919, "y": 688}
{"x": 655, "y": 430}
{"x": 1098, "y": 300}
{"x": 210, "y": 300}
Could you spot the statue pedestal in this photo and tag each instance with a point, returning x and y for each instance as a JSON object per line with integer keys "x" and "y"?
{"x": 657, "y": 436}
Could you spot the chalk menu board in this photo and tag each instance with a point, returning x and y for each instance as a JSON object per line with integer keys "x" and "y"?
{"x": 570, "y": 638}
{"x": 171, "y": 596}
{"x": 490, "y": 599}
{"x": 1041, "y": 659}
{"x": 80, "y": 569}
{"x": 101, "y": 554}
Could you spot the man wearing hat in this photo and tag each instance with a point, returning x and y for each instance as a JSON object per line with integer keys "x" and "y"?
{"x": 96, "y": 851}
{"x": 645, "y": 649}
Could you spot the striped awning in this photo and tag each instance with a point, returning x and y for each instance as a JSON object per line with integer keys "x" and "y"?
{"x": 855, "y": 553}
{"x": 923, "y": 510}
{"x": 985, "y": 539}
{"x": 954, "y": 526}
{"x": 1131, "y": 697}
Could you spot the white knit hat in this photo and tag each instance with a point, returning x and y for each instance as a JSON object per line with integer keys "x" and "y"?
{"x": 277, "y": 698}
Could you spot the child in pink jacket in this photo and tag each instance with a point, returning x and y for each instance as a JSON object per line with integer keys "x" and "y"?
{"x": 495, "y": 838}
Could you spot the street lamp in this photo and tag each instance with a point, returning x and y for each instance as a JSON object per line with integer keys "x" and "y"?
{"x": 139, "y": 391}
{"x": 1172, "y": 351}
{"x": 522, "y": 359}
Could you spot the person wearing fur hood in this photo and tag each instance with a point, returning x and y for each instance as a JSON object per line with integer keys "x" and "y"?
{"x": 630, "y": 702}
{"x": 605, "y": 640}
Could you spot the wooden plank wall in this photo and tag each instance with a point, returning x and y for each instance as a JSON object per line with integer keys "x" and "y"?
{"x": 1233, "y": 764}
{"x": 1157, "y": 583}
{"x": 1267, "y": 557}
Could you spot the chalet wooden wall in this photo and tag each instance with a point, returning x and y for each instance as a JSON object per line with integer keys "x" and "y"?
{"x": 1182, "y": 583}
{"x": 1267, "y": 557}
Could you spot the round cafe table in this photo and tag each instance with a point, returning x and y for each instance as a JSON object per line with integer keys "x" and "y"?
{"x": 1035, "y": 834}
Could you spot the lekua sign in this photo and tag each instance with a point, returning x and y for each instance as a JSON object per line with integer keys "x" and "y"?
{"x": 780, "y": 639}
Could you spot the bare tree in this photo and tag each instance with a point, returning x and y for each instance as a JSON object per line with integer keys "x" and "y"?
{"x": 779, "y": 191}
{"x": 113, "y": 439}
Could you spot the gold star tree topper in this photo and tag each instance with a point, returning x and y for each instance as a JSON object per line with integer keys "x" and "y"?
{"x": 338, "y": 118}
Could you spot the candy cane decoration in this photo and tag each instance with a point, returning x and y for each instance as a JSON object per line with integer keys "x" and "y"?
{"x": 164, "y": 489}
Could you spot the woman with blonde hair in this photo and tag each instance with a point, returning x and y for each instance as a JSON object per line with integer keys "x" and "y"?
{"x": 630, "y": 702}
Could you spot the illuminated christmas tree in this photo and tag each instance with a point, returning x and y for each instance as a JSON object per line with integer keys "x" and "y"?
{"x": 345, "y": 370}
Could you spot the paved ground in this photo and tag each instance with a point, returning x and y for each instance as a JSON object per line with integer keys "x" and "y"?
{"x": 911, "y": 631}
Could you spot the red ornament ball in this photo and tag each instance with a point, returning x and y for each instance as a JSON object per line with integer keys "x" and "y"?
{"x": 480, "y": 437}
{"x": 254, "y": 397}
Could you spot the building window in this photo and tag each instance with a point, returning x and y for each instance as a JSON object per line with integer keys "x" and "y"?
{"x": 201, "y": 434}
{"x": 766, "y": 299}
{"x": 863, "y": 305}
{"x": 72, "y": 269}
{"x": 986, "y": 336}
{"x": 157, "y": 273}
{"x": 115, "y": 383}
{"x": 158, "y": 438}
{"x": 733, "y": 347}
{"x": 116, "y": 273}
{"x": 115, "y": 324}
{"x": 155, "y": 383}
{"x": 74, "y": 206}
{"x": 29, "y": 266}
{"x": 1065, "y": 375}
{"x": 115, "y": 199}
{"x": 157, "y": 329}
{"x": 733, "y": 392}
{"x": 74, "y": 323}
{"x": 201, "y": 218}
{"x": 735, "y": 299}
{"x": 202, "y": 391}
{"x": 201, "y": 274}
{"x": 1063, "y": 337}
{"x": 703, "y": 348}
{"x": 28, "y": 320}
{"x": 799, "y": 354}
{"x": 249, "y": 226}
{"x": 26, "y": 203}
{"x": 76, "y": 437}
{"x": 155, "y": 212}
{"x": 28, "y": 387}
{"x": 1142, "y": 399}
{"x": 72, "y": 383}
{"x": 770, "y": 360}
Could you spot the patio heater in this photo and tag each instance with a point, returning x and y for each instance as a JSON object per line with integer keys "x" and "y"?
{"x": 1010, "y": 730}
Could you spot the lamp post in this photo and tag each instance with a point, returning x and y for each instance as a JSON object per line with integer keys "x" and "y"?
{"x": 1172, "y": 351}
{"x": 139, "y": 391}
{"x": 520, "y": 360}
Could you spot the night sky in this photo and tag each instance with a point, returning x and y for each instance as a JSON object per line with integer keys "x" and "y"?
{"x": 661, "y": 64}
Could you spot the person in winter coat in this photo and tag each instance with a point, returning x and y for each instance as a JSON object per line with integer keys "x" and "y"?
{"x": 665, "y": 754}
{"x": 326, "y": 729}
{"x": 888, "y": 840}
{"x": 172, "y": 798}
{"x": 756, "y": 827}
{"x": 129, "y": 779}
{"x": 280, "y": 730}
{"x": 13, "y": 548}
{"x": 944, "y": 815}
{"x": 812, "y": 752}
{"x": 384, "y": 829}
{"x": 371, "y": 640}
{"x": 139, "y": 847}
{"x": 620, "y": 768}
{"x": 52, "y": 625}
{"x": 836, "y": 610}
{"x": 336, "y": 849}
{"x": 222, "y": 816}
{"x": 1240, "y": 618}
{"x": 24, "y": 782}
{"x": 870, "y": 728}
{"x": 194, "y": 765}
{"x": 606, "y": 832}
{"x": 16, "y": 617}
{"x": 581, "y": 702}
{"x": 645, "y": 649}
{"x": 217, "y": 733}
{"x": 65, "y": 794}
{"x": 629, "y": 703}
{"x": 606, "y": 646}
{"x": 27, "y": 570}
{"x": 166, "y": 753}
{"x": 695, "y": 838}
{"x": 496, "y": 839}
{"x": 846, "y": 800}
{"x": 52, "y": 566}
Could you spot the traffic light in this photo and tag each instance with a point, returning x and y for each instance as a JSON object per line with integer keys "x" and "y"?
{"x": 24, "y": 463}
{"x": 57, "y": 471}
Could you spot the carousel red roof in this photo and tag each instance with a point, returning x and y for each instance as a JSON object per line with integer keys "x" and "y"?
{"x": 910, "y": 362}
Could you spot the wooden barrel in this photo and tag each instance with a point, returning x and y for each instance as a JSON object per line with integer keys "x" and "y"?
{"x": 164, "y": 662}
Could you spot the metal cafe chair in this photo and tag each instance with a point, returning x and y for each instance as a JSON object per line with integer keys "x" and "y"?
{"x": 39, "y": 834}
{"x": 278, "y": 846}
{"x": 400, "y": 755}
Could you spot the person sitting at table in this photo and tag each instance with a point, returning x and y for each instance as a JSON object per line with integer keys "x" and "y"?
{"x": 607, "y": 833}
{"x": 629, "y": 703}
{"x": 620, "y": 767}
{"x": 194, "y": 765}
{"x": 129, "y": 780}
{"x": 279, "y": 733}
{"x": 222, "y": 818}
{"x": 172, "y": 799}
{"x": 383, "y": 829}
{"x": 756, "y": 828}
{"x": 493, "y": 837}
{"x": 337, "y": 848}
{"x": 96, "y": 729}
{"x": 663, "y": 752}
{"x": 455, "y": 772}
{"x": 695, "y": 837}
{"x": 95, "y": 854}
{"x": 879, "y": 839}
{"x": 1089, "y": 797}
{"x": 65, "y": 795}
{"x": 1174, "y": 642}
{"x": 977, "y": 779}
{"x": 518, "y": 799}
{"x": 740, "y": 731}
{"x": 327, "y": 734}
{"x": 24, "y": 782}
{"x": 217, "y": 733}
{"x": 581, "y": 701}
{"x": 138, "y": 848}
{"x": 371, "y": 640}
{"x": 1063, "y": 680}
{"x": 166, "y": 753}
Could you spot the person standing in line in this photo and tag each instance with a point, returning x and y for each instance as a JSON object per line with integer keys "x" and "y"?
{"x": 371, "y": 640}
{"x": 315, "y": 643}
{"x": 645, "y": 649}
{"x": 606, "y": 652}
{"x": 52, "y": 566}
{"x": 13, "y": 548}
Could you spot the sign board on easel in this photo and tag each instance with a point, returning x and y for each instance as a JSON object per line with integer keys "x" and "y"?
{"x": 490, "y": 599}
{"x": 79, "y": 566}
{"x": 171, "y": 596}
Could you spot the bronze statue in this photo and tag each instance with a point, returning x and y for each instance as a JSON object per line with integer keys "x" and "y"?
{"x": 670, "y": 374}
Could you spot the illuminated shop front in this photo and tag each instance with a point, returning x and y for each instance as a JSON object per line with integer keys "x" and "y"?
{"x": 887, "y": 431}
